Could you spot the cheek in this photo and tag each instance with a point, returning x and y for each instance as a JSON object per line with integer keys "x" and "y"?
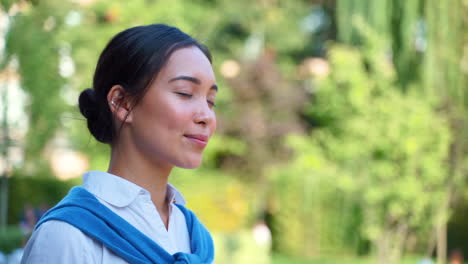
{"x": 174, "y": 117}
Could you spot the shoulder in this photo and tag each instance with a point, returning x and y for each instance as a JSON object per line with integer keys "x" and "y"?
{"x": 59, "y": 242}
{"x": 184, "y": 210}
{"x": 189, "y": 215}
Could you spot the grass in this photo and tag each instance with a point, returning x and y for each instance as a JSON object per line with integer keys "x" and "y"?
{"x": 278, "y": 259}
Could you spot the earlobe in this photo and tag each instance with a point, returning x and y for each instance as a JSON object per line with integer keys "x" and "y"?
{"x": 123, "y": 113}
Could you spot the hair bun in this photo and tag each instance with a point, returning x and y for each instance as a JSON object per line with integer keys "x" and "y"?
{"x": 100, "y": 128}
{"x": 87, "y": 104}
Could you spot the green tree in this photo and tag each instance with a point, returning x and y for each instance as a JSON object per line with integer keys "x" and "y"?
{"x": 427, "y": 44}
{"x": 33, "y": 40}
{"x": 384, "y": 151}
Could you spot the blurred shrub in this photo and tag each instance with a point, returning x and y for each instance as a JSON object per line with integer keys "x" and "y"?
{"x": 221, "y": 202}
{"x": 10, "y": 238}
{"x": 311, "y": 216}
{"x": 38, "y": 191}
{"x": 377, "y": 171}
{"x": 239, "y": 247}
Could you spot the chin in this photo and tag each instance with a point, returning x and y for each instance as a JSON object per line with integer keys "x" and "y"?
{"x": 190, "y": 164}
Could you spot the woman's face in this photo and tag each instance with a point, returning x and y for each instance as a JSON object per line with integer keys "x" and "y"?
{"x": 175, "y": 119}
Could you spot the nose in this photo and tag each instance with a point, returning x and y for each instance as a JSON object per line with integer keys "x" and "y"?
{"x": 205, "y": 115}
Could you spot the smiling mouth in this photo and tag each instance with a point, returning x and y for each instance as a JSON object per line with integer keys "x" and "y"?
{"x": 198, "y": 140}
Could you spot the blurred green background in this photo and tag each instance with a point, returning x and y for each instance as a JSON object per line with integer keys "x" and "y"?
{"x": 343, "y": 124}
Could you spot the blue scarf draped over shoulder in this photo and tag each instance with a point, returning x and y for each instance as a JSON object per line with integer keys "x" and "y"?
{"x": 82, "y": 210}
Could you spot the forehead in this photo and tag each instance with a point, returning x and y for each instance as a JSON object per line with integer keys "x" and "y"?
{"x": 190, "y": 61}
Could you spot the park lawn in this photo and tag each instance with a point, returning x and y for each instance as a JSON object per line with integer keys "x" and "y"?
{"x": 278, "y": 259}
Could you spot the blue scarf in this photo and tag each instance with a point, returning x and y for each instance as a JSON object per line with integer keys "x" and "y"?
{"x": 82, "y": 210}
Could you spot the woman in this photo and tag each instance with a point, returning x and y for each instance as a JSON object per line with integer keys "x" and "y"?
{"x": 152, "y": 101}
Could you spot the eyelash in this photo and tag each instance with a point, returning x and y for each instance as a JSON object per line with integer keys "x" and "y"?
{"x": 190, "y": 96}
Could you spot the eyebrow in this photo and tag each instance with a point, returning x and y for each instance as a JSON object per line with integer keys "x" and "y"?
{"x": 193, "y": 80}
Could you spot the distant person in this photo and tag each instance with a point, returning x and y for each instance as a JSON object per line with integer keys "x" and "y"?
{"x": 42, "y": 210}
{"x": 456, "y": 257}
{"x": 28, "y": 219}
{"x": 152, "y": 101}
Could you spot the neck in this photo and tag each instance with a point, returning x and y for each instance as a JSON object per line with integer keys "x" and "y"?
{"x": 135, "y": 167}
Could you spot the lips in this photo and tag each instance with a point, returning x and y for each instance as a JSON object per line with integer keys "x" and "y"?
{"x": 198, "y": 139}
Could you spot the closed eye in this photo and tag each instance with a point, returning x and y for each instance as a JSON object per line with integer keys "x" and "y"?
{"x": 211, "y": 103}
{"x": 185, "y": 95}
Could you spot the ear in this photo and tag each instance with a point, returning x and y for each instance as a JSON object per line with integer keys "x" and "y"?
{"x": 119, "y": 104}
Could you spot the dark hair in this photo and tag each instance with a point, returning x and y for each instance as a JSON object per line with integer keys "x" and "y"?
{"x": 132, "y": 59}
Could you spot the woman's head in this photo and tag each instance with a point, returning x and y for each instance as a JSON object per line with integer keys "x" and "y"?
{"x": 132, "y": 59}
{"x": 149, "y": 81}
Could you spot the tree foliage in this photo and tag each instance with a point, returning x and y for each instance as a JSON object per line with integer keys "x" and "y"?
{"x": 386, "y": 155}
{"x": 32, "y": 40}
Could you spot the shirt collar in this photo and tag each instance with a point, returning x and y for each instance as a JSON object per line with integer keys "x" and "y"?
{"x": 120, "y": 192}
{"x": 174, "y": 196}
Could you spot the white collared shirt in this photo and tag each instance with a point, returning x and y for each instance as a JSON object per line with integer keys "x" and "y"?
{"x": 59, "y": 242}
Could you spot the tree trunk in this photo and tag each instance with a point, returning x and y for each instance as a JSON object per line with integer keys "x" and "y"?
{"x": 4, "y": 155}
{"x": 442, "y": 243}
{"x": 3, "y": 201}
{"x": 392, "y": 242}
{"x": 441, "y": 230}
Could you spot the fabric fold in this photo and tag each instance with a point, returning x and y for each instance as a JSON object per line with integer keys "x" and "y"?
{"x": 82, "y": 210}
